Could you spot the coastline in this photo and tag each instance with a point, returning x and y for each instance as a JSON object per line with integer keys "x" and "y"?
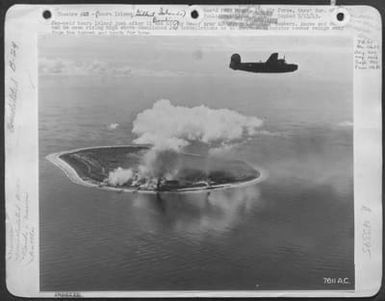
{"x": 71, "y": 173}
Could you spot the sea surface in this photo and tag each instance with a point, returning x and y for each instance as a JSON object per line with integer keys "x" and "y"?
{"x": 287, "y": 232}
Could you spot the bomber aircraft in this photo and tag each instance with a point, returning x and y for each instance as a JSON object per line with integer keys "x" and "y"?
{"x": 272, "y": 65}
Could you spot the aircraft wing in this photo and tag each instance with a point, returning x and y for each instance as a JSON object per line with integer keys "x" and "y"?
{"x": 273, "y": 58}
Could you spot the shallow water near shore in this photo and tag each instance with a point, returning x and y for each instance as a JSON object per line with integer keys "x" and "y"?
{"x": 286, "y": 232}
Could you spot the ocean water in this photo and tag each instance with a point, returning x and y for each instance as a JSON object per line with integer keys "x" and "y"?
{"x": 287, "y": 232}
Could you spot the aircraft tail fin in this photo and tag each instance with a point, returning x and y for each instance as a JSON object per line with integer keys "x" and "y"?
{"x": 235, "y": 61}
{"x": 273, "y": 58}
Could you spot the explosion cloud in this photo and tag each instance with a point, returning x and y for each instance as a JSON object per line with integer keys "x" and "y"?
{"x": 169, "y": 126}
{"x": 120, "y": 176}
{"x": 159, "y": 163}
{"x": 170, "y": 129}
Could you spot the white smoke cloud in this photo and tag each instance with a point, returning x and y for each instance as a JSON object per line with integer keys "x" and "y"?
{"x": 120, "y": 176}
{"x": 174, "y": 127}
{"x": 159, "y": 163}
{"x": 222, "y": 149}
{"x": 113, "y": 126}
{"x": 169, "y": 129}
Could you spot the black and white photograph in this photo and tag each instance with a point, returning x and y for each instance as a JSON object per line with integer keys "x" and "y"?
{"x": 184, "y": 163}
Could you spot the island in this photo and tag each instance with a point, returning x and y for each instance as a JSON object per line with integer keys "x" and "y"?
{"x": 93, "y": 166}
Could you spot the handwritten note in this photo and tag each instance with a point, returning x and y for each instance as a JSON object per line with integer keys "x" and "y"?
{"x": 12, "y": 87}
{"x": 366, "y": 234}
{"x": 133, "y": 20}
{"x": 367, "y": 55}
{"x": 116, "y": 21}
{"x": 21, "y": 236}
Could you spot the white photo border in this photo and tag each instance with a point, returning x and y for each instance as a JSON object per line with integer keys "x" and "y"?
{"x": 24, "y": 23}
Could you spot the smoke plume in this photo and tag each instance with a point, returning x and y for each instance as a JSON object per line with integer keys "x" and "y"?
{"x": 159, "y": 163}
{"x": 174, "y": 127}
{"x": 120, "y": 176}
{"x": 170, "y": 129}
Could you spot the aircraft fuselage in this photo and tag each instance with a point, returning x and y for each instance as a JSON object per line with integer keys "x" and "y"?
{"x": 272, "y": 65}
{"x": 264, "y": 67}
